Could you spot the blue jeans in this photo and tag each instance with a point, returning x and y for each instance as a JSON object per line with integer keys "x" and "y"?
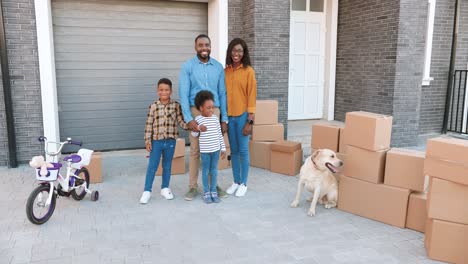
{"x": 210, "y": 166}
{"x": 240, "y": 159}
{"x": 164, "y": 148}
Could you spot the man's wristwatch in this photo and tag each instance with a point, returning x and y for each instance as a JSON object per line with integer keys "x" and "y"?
{"x": 250, "y": 121}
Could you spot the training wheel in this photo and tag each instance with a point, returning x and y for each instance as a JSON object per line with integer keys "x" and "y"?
{"x": 94, "y": 196}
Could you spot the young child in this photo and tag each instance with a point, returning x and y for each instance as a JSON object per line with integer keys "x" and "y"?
{"x": 211, "y": 144}
{"x": 160, "y": 138}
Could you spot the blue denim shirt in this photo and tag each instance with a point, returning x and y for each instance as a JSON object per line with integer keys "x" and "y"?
{"x": 196, "y": 76}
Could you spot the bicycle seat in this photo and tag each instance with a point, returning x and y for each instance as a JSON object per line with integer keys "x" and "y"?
{"x": 73, "y": 158}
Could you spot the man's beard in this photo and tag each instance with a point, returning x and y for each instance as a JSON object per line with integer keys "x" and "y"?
{"x": 200, "y": 56}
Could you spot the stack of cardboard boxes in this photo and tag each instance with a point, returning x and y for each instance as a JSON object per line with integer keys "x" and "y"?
{"x": 268, "y": 150}
{"x": 178, "y": 161}
{"x": 361, "y": 188}
{"x": 447, "y": 226}
{"x": 405, "y": 169}
{"x": 266, "y": 130}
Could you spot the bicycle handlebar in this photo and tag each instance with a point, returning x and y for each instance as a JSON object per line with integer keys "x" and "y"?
{"x": 61, "y": 144}
{"x": 75, "y": 142}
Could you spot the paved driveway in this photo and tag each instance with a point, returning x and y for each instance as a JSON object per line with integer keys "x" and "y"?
{"x": 258, "y": 228}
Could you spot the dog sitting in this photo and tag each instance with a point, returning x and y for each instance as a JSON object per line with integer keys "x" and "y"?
{"x": 316, "y": 176}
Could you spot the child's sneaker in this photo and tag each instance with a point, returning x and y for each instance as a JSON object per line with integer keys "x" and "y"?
{"x": 215, "y": 198}
{"x": 167, "y": 193}
{"x": 207, "y": 198}
{"x": 145, "y": 197}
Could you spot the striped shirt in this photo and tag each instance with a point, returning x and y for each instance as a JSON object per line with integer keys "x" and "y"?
{"x": 212, "y": 139}
{"x": 162, "y": 121}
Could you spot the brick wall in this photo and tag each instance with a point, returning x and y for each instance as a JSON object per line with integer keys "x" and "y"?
{"x": 265, "y": 28}
{"x": 20, "y": 28}
{"x": 366, "y": 56}
{"x": 433, "y": 101}
{"x": 409, "y": 71}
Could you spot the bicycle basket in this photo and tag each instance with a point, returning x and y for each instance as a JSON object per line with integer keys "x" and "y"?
{"x": 52, "y": 173}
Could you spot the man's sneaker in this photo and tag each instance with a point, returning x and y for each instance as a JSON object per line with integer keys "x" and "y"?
{"x": 145, "y": 197}
{"x": 167, "y": 193}
{"x": 207, "y": 198}
{"x": 215, "y": 198}
{"x": 232, "y": 189}
{"x": 241, "y": 190}
{"x": 221, "y": 192}
{"x": 191, "y": 194}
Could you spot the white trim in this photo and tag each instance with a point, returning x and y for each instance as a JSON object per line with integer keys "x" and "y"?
{"x": 330, "y": 112}
{"x": 218, "y": 28}
{"x": 45, "y": 47}
{"x": 429, "y": 35}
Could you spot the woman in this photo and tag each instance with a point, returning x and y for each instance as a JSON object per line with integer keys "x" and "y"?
{"x": 241, "y": 89}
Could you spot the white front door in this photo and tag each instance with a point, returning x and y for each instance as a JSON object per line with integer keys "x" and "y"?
{"x": 306, "y": 59}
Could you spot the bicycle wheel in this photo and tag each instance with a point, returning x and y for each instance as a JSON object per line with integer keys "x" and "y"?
{"x": 79, "y": 193}
{"x": 36, "y": 210}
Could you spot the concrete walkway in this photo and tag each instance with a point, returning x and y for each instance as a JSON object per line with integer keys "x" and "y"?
{"x": 259, "y": 228}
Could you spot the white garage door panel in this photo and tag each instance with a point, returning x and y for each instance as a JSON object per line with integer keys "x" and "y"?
{"x": 109, "y": 56}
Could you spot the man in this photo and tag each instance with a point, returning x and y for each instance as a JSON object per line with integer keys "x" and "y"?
{"x": 201, "y": 73}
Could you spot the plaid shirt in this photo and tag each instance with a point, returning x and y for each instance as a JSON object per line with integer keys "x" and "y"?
{"x": 162, "y": 121}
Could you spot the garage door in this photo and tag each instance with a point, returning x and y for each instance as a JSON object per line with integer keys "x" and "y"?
{"x": 109, "y": 56}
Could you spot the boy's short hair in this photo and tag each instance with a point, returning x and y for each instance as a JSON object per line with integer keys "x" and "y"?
{"x": 202, "y": 97}
{"x": 165, "y": 81}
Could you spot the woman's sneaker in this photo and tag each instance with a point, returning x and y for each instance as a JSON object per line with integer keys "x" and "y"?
{"x": 167, "y": 193}
{"x": 233, "y": 188}
{"x": 207, "y": 198}
{"x": 241, "y": 190}
{"x": 215, "y": 198}
{"x": 145, "y": 197}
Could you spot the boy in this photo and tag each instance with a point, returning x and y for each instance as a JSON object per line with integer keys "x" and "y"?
{"x": 160, "y": 138}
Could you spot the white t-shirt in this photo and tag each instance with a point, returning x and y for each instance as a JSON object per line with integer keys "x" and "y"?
{"x": 212, "y": 139}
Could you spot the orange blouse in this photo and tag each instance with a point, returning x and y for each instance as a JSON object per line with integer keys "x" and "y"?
{"x": 241, "y": 90}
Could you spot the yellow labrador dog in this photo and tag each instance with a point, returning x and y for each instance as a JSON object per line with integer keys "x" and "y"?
{"x": 316, "y": 176}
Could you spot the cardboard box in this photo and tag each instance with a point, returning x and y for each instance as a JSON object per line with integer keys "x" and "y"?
{"x": 368, "y": 130}
{"x": 266, "y": 112}
{"x": 179, "y": 148}
{"x": 286, "y": 157}
{"x": 226, "y": 162}
{"x": 178, "y": 166}
{"x": 447, "y": 170}
{"x": 448, "y": 201}
{"x": 342, "y": 142}
{"x": 260, "y": 154}
{"x": 267, "y": 132}
{"x": 380, "y": 202}
{"x": 448, "y": 149}
{"x": 417, "y": 213}
{"x": 405, "y": 168}
{"x": 365, "y": 164}
{"x": 446, "y": 241}
{"x": 95, "y": 168}
{"x": 326, "y": 136}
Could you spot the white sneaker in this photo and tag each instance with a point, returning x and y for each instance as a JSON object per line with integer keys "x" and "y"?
{"x": 241, "y": 190}
{"x": 232, "y": 189}
{"x": 145, "y": 197}
{"x": 167, "y": 193}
